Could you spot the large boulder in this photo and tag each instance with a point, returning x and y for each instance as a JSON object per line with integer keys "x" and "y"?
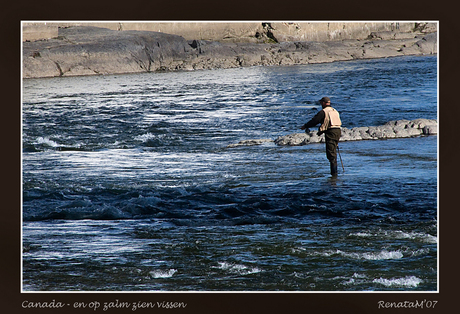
{"x": 94, "y": 50}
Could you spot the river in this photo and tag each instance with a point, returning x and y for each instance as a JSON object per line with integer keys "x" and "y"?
{"x": 128, "y": 184}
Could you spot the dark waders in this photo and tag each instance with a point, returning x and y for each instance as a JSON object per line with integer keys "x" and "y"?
{"x": 332, "y": 140}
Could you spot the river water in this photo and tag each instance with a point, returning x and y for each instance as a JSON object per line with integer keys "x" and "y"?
{"x": 128, "y": 184}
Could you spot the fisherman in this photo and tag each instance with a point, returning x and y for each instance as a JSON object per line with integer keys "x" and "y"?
{"x": 330, "y": 126}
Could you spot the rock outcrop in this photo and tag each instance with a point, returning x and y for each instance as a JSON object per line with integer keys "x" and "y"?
{"x": 255, "y": 32}
{"x": 92, "y": 51}
{"x": 392, "y": 129}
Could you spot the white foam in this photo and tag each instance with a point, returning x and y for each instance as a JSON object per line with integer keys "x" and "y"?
{"x": 382, "y": 255}
{"x": 418, "y": 236}
{"x": 46, "y": 141}
{"x": 361, "y": 234}
{"x": 145, "y": 137}
{"x": 420, "y": 252}
{"x": 240, "y": 269}
{"x": 356, "y": 275}
{"x": 424, "y": 237}
{"x": 349, "y": 282}
{"x": 408, "y": 282}
{"x": 163, "y": 273}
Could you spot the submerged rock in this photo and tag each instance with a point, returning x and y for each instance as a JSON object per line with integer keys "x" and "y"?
{"x": 250, "y": 142}
{"x": 391, "y": 129}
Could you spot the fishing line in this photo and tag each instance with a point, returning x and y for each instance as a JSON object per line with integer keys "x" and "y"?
{"x": 338, "y": 150}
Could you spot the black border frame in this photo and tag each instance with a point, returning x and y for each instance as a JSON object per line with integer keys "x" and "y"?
{"x": 209, "y": 10}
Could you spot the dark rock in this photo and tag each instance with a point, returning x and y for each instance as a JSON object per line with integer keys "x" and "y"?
{"x": 93, "y": 50}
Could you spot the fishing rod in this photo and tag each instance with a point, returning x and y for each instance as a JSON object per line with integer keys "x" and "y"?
{"x": 338, "y": 150}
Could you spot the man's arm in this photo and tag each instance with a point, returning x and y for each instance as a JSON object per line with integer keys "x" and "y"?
{"x": 318, "y": 118}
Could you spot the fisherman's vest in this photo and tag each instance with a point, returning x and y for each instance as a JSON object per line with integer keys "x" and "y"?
{"x": 331, "y": 119}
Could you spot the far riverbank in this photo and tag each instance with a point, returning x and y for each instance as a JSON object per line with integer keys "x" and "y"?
{"x": 88, "y": 50}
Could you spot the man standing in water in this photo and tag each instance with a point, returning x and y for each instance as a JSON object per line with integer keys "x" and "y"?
{"x": 330, "y": 126}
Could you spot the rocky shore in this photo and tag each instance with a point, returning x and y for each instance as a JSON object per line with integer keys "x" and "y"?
{"x": 392, "y": 129}
{"x": 85, "y": 50}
